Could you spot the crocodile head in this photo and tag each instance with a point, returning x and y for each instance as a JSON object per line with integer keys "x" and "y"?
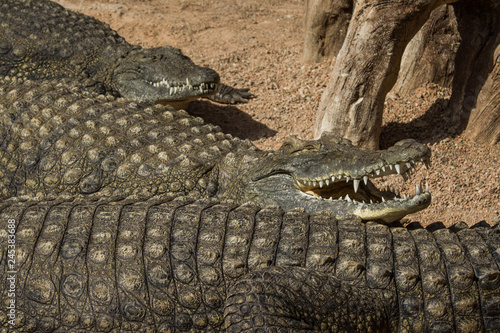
{"x": 332, "y": 174}
{"x": 162, "y": 74}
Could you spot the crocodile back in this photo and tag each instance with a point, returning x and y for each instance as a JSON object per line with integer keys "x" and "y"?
{"x": 57, "y": 137}
{"x": 177, "y": 264}
{"x": 40, "y": 39}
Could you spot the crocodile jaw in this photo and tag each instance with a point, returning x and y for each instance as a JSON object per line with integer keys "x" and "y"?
{"x": 162, "y": 74}
{"x": 332, "y": 174}
{"x": 165, "y": 92}
{"x": 280, "y": 189}
{"x": 393, "y": 210}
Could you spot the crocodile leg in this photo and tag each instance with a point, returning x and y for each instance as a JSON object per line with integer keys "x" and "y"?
{"x": 230, "y": 95}
{"x": 300, "y": 300}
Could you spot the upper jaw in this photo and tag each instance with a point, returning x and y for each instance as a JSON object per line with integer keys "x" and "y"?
{"x": 357, "y": 184}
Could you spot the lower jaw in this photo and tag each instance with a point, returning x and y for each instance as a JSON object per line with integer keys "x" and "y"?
{"x": 393, "y": 210}
{"x": 177, "y": 104}
{"x": 387, "y": 211}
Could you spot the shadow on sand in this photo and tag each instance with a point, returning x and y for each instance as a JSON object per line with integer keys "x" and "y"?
{"x": 230, "y": 119}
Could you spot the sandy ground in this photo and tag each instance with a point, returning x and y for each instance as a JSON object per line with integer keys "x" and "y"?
{"x": 258, "y": 44}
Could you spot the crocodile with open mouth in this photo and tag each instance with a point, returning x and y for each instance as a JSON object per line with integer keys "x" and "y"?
{"x": 58, "y": 137}
{"x": 39, "y": 39}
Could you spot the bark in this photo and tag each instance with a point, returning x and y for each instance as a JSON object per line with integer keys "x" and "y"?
{"x": 476, "y": 84}
{"x": 484, "y": 122}
{"x": 367, "y": 67}
{"x": 325, "y": 28}
{"x": 430, "y": 55}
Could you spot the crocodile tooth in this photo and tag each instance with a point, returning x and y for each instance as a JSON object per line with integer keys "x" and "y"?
{"x": 398, "y": 168}
{"x": 408, "y": 165}
{"x": 355, "y": 182}
{"x": 417, "y": 191}
{"x": 377, "y": 172}
{"x": 383, "y": 168}
{"x": 371, "y": 201}
{"x": 187, "y": 82}
{"x": 327, "y": 182}
{"x": 347, "y": 198}
{"x": 365, "y": 180}
{"x": 347, "y": 178}
{"x": 171, "y": 91}
{"x": 390, "y": 166}
{"x": 333, "y": 178}
{"x": 404, "y": 196}
{"x": 383, "y": 200}
{"x": 314, "y": 184}
{"x": 320, "y": 184}
{"x": 412, "y": 161}
{"x": 427, "y": 187}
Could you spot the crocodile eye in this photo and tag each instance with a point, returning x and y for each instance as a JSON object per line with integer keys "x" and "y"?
{"x": 311, "y": 147}
{"x": 287, "y": 147}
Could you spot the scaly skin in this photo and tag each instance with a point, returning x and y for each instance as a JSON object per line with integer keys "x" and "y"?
{"x": 39, "y": 39}
{"x": 164, "y": 265}
{"x": 58, "y": 137}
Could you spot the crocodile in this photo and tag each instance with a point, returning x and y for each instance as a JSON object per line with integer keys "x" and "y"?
{"x": 39, "y": 39}
{"x": 166, "y": 263}
{"x": 59, "y": 138}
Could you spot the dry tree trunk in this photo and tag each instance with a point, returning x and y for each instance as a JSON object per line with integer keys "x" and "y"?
{"x": 476, "y": 84}
{"x": 484, "y": 121}
{"x": 367, "y": 67}
{"x": 430, "y": 56}
{"x": 326, "y": 26}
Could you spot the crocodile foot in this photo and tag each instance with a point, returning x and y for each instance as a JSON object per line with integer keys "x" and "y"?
{"x": 230, "y": 95}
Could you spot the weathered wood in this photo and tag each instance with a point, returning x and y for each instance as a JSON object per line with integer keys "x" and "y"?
{"x": 430, "y": 55}
{"x": 484, "y": 121}
{"x": 476, "y": 84}
{"x": 325, "y": 28}
{"x": 367, "y": 67}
